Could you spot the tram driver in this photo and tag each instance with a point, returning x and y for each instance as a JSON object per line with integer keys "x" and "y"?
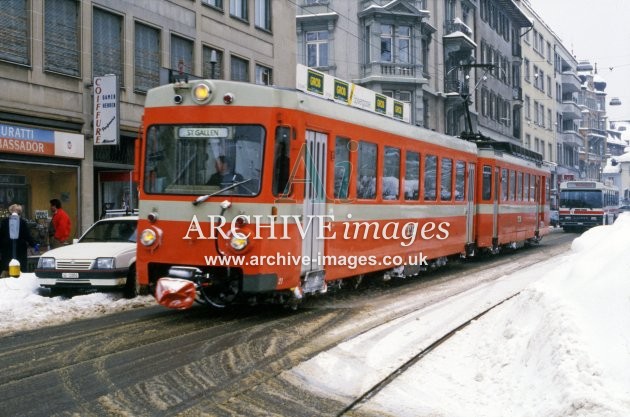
{"x": 225, "y": 175}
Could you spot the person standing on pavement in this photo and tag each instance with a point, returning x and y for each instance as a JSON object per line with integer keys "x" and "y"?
{"x": 15, "y": 247}
{"x": 61, "y": 224}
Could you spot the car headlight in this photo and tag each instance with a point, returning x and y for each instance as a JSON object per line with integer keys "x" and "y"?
{"x": 46, "y": 263}
{"x": 105, "y": 263}
{"x": 238, "y": 241}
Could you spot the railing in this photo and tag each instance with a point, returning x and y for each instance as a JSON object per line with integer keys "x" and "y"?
{"x": 458, "y": 26}
{"x": 405, "y": 70}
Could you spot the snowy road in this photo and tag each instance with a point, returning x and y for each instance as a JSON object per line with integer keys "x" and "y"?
{"x": 152, "y": 361}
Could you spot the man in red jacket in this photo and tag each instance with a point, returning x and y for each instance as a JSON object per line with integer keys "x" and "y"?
{"x": 61, "y": 224}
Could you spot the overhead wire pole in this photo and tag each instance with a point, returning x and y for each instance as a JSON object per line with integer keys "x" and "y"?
{"x": 465, "y": 95}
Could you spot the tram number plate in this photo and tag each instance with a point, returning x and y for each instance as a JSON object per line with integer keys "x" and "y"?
{"x": 69, "y": 275}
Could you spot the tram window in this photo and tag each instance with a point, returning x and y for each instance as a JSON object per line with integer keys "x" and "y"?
{"x": 366, "y": 178}
{"x": 532, "y": 188}
{"x": 525, "y": 187}
{"x": 519, "y": 186}
{"x": 547, "y": 190}
{"x": 281, "y": 161}
{"x": 512, "y": 185}
{"x": 412, "y": 176}
{"x": 460, "y": 180}
{"x": 446, "y": 179}
{"x": 390, "y": 183}
{"x": 343, "y": 169}
{"x": 504, "y": 184}
{"x": 430, "y": 178}
{"x": 486, "y": 186}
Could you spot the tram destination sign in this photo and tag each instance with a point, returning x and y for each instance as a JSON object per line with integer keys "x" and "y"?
{"x": 326, "y": 86}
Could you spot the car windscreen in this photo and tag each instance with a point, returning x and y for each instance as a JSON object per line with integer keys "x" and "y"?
{"x": 111, "y": 231}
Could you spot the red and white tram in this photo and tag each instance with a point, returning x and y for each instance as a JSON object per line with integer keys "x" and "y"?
{"x": 251, "y": 192}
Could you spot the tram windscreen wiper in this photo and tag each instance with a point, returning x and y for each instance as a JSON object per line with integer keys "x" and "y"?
{"x": 203, "y": 198}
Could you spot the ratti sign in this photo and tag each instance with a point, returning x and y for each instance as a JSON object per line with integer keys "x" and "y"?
{"x": 106, "y": 110}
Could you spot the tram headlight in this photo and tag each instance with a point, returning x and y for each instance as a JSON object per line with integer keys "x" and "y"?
{"x": 239, "y": 241}
{"x": 201, "y": 93}
{"x": 148, "y": 237}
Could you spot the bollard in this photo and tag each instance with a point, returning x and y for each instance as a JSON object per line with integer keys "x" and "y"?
{"x": 14, "y": 268}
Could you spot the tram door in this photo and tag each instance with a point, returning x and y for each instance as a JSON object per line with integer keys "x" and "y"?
{"x": 313, "y": 211}
{"x": 495, "y": 203}
{"x": 470, "y": 209}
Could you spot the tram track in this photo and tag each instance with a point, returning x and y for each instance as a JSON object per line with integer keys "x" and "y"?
{"x": 162, "y": 363}
{"x": 378, "y": 387}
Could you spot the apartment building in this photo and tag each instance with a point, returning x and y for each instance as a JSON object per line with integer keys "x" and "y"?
{"x": 52, "y": 50}
{"x": 539, "y": 87}
{"x": 382, "y": 45}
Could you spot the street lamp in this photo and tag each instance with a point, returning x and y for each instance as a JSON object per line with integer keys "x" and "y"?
{"x": 213, "y": 62}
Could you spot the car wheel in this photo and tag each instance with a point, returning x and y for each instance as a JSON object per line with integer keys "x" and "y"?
{"x": 55, "y": 292}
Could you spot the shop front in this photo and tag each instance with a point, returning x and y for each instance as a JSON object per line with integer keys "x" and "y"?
{"x": 37, "y": 165}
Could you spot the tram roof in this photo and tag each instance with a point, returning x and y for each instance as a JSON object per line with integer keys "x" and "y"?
{"x": 246, "y": 94}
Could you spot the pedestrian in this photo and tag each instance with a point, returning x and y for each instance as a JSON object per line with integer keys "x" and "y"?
{"x": 15, "y": 248}
{"x": 60, "y": 223}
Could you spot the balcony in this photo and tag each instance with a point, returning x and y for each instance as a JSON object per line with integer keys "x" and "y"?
{"x": 570, "y": 82}
{"x": 458, "y": 38}
{"x": 392, "y": 72}
{"x": 456, "y": 25}
{"x": 570, "y": 110}
{"x": 571, "y": 138}
{"x": 398, "y": 70}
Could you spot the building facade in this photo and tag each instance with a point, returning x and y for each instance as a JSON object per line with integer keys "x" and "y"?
{"x": 569, "y": 141}
{"x": 539, "y": 87}
{"x": 592, "y": 101}
{"x": 52, "y": 50}
{"x": 500, "y": 97}
{"x": 379, "y": 44}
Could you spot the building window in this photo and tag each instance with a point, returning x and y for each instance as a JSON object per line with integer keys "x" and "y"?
{"x": 181, "y": 55}
{"x": 61, "y": 37}
{"x": 386, "y": 43}
{"x": 14, "y": 32}
{"x": 238, "y": 8}
{"x": 107, "y": 55}
{"x": 526, "y": 67}
{"x": 400, "y": 36}
{"x": 263, "y": 75}
{"x": 403, "y": 45}
{"x": 212, "y": 70}
{"x": 239, "y": 69}
{"x": 147, "y": 58}
{"x": 263, "y": 14}
{"x": 214, "y": 3}
{"x": 425, "y": 56}
{"x": 317, "y": 48}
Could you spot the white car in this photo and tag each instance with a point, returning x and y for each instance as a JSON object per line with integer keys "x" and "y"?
{"x": 104, "y": 257}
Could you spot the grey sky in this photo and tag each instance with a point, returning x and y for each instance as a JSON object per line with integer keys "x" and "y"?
{"x": 600, "y": 32}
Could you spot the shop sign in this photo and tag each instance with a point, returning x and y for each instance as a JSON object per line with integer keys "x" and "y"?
{"x": 326, "y": 86}
{"x": 106, "y": 110}
{"x": 32, "y": 141}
